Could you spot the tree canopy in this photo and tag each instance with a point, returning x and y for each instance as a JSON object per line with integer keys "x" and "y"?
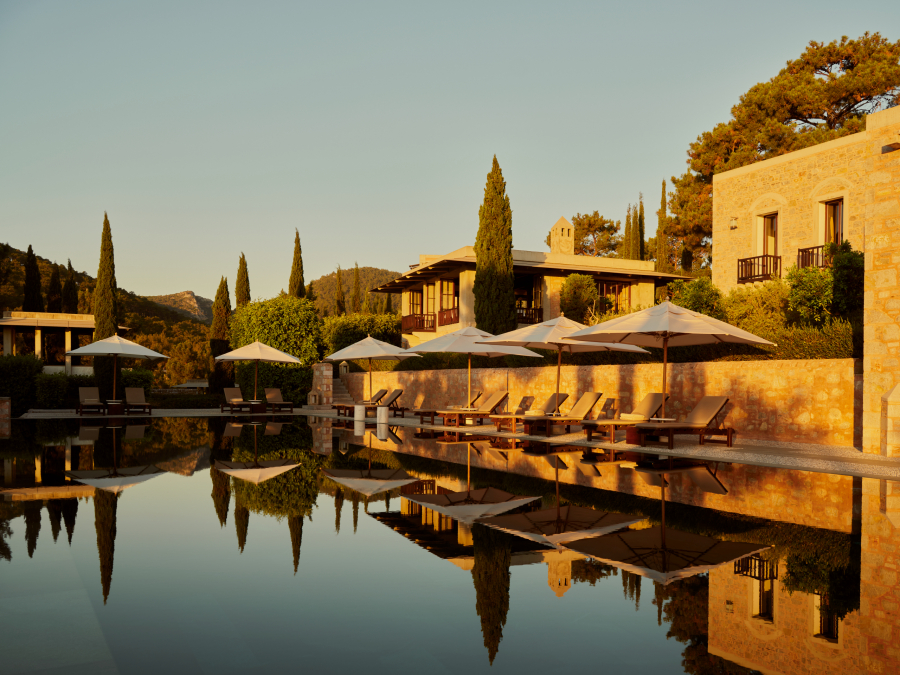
{"x": 284, "y": 322}
{"x": 242, "y": 285}
{"x": 33, "y": 300}
{"x": 295, "y": 284}
{"x": 70, "y": 291}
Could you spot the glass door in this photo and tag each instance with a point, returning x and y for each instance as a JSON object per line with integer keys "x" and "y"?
{"x": 770, "y": 235}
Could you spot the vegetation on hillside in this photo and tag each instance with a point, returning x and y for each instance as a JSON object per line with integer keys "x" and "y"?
{"x": 369, "y": 277}
{"x": 188, "y": 304}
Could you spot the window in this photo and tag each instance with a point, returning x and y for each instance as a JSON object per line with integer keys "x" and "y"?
{"x": 828, "y": 621}
{"x": 834, "y": 221}
{"x": 764, "y": 604}
{"x": 770, "y": 235}
{"x": 415, "y": 302}
{"x": 429, "y": 299}
{"x": 449, "y": 296}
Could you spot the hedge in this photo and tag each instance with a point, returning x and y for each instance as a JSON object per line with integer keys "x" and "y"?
{"x": 295, "y": 382}
{"x": 185, "y": 401}
{"x": 58, "y": 390}
{"x": 289, "y": 324}
{"x": 339, "y": 332}
{"x": 17, "y": 380}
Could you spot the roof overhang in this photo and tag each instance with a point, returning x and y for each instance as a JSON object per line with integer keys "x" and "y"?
{"x": 49, "y": 323}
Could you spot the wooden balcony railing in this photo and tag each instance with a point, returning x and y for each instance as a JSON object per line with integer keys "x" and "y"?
{"x": 529, "y": 314}
{"x": 447, "y": 317}
{"x": 814, "y": 256}
{"x": 418, "y": 323}
{"x": 760, "y": 268}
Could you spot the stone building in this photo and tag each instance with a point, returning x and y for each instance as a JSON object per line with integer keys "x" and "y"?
{"x": 49, "y": 336}
{"x": 437, "y": 292}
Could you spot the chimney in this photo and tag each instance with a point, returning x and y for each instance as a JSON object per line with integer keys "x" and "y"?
{"x": 562, "y": 237}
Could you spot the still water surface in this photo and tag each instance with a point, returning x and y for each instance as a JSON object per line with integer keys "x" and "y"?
{"x": 195, "y": 571}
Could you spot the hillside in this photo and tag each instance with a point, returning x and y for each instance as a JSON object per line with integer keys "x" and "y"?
{"x": 188, "y": 304}
{"x": 369, "y": 277}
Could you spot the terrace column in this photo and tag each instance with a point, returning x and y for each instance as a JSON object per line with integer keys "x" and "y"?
{"x": 9, "y": 471}
{"x": 68, "y": 455}
{"x": 37, "y": 468}
{"x": 68, "y": 348}
{"x": 9, "y": 341}
{"x": 38, "y": 343}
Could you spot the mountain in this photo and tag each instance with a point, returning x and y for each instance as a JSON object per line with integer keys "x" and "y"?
{"x": 369, "y": 277}
{"x": 187, "y": 304}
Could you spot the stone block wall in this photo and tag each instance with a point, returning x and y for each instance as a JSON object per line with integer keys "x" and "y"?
{"x": 5, "y": 416}
{"x": 323, "y": 385}
{"x": 815, "y": 401}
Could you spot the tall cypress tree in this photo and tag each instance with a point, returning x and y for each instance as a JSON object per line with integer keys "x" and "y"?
{"x": 387, "y": 305}
{"x": 241, "y": 523}
{"x": 219, "y": 333}
{"x": 641, "y": 243}
{"x": 310, "y": 292}
{"x": 54, "y": 292}
{"x": 340, "y": 305}
{"x": 627, "y": 239}
{"x": 105, "y": 506}
{"x": 495, "y": 297}
{"x": 490, "y": 575}
{"x": 70, "y": 292}
{"x": 295, "y": 284}
{"x": 242, "y": 285}
{"x": 356, "y": 297}
{"x": 662, "y": 254}
{"x": 295, "y": 525}
{"x": 106, "y": 311}
{"x": 33, "y": 300}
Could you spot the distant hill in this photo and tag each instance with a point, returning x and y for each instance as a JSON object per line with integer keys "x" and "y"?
{"x": 187, "y": 304}
{"x": 369, "y": 277}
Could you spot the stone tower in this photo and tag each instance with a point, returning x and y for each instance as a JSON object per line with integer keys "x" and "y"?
{"x": 562, "y": 237}
{"x": 559, "y": 575}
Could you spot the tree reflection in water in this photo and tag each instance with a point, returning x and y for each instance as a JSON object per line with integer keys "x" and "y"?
{"x": 105, "y": 507}
{"x": 221, "y": 494}
{"x": 631, "y": 587}
{"x": 69, "y": 512}
{"x": 54, "y": 511}
{"x": 338, "y": 506}
{"x": 295, "y": 525}
{"x": 490, "y": 574}
{"x": 32, "y": 525}
{"x": 241, "y": 523}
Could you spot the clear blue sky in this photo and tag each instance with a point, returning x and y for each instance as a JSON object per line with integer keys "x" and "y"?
{"x": 207, "y": 129}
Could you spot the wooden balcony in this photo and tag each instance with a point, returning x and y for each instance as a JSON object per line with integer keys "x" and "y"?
{"x": 759, "y": 268}
{"x": 447, "y": 317}
{"x": 529, "y": 315}
{"x": 814, "y": 256}
{"x": 418, "y": 323}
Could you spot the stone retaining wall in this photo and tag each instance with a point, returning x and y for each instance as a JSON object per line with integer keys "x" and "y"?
{"x": 816, "y": 401}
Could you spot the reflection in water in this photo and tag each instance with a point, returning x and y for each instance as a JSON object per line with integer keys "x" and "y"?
{"x": 338, "y": 506}
{"x": 493, "y": 554}
{"x": 32, "y": 525}
{"x": 221, "y": 494}
{"x": 295, "y": 525}
{"x": 105, "y": 506}
{"x": 241, "y": 523}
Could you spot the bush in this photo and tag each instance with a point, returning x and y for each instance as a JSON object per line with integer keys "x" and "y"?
{"x": 286, "y": 323}
{"x": 339, "y": 332}
{"x": 758, "y": 309}
{"x": 848, "y": 268}
{"x": 295, "y": 382}
{"x": 810, "y": 295}
{"x": 51, "y": 391}
{"x": 186, "y": 401}
{"x": 578, "y": 296}
{"x": 138, "y": 378}
{"x": 699, "y": 295}
{"x": 17, "y": 380}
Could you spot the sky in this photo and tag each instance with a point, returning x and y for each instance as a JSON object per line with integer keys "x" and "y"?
{"x": 209, "y": 129}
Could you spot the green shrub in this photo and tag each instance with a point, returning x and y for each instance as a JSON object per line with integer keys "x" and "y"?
{"x": 75, "y": 382}
{"x": 810, "y": 295}
{"x": 699, "y": 295}
{"x": 185, "y": 401}
{"x": 848, "y": 268}
{"x": 286, "y": 323}
{"x": 138, "y": 378}
{"x": 295, "y": 382}
{"x": 339, "y": 332}
{"x": 51, "y": 391}
{"x": 760, "y": 309}
{"x": 17, "y": 380}
{"x": 578, "y": 296}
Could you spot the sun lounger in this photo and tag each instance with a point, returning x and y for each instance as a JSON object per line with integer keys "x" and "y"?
{"x": 512, "y": 420}
{"x": 276, "y": 403}
{"x": 698, "y": 473}
{"x": 579, "y": 412}
{"x": 646, "y": 409}
{"x": 134, "y": 432}
{"x": 698, "y": 421}
{"x": 390, "y": 402}
{"x": 134, "y": 400}
{"x": 431, "y": 413}
{"x": 89, "y": 401}
{"x": 346, "y": 409}
{"x": 234, "y": 399}
{"x": 455, "y": 418}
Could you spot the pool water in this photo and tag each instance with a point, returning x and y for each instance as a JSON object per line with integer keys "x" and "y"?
{"x": 193, "y": 571}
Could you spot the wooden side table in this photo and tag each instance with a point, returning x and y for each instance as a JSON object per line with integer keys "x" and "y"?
{"x": 257, "y": 407}
{"x": 115, "y": 408}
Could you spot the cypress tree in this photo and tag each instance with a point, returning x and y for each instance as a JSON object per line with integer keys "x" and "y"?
{"x": 295, "y": 525}
{"x": 295, "y": 285}
{"x": 70, "y": 292}
{"x": 356, "y": 297}
{"x": 641, "y": 243}
{"x": 387, "y": 305}
{"x": 490, "y": 575}
{"x": 310, "y": 292}
{"x": 242, "y": 285}
{"x": 33, "y": 300}
{"x": 221, "y": 494}
{"x": 106, "y": 312}
{"x": 54, "y": 292}
{"x": 219, "y": 333}
{"x": 495, "y": 298}
{"x": 661, "y": 248}
{"x": 627, "y": 239}
{"x": 105, "y": 506}
{"x": 367, "y": 305}
{"x": 340, "y": 305}
{"x": 241, "y": 524}
{"x": 32, "y": 525}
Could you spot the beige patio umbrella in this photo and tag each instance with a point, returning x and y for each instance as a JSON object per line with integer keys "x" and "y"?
{"x": 370, "y": 481}
{"x": 468, "y": 341}
{"x": 257, "y": 351}
{"x": 667, "y": 325}
{"x": 560, "y": 525}
{"x": 116, "y": 346}
{"x": 371, "y": 349}
{"x": 115, "y": 480}
{"x": 256, "y": 471}
{"x": 554, "y": 334}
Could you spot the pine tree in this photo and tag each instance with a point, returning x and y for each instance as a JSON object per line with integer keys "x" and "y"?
{"x": 662, "y": 253}
{"x": 106, "y": 313}
{"x": 242, "y": 285}
{"x": 54, "y": 292}
{"x": 295, "y": 285}
{"x": 33, "y": 300}
{"x": 219, "y": 333}
{"x": 356, "y": 297}
{"x": 340, "y": 306}
{"x": 627, "y": 240}
{"x": 70, "y": 292}
{"x": 495, "y": 298}
{"x": 641, "y": 242}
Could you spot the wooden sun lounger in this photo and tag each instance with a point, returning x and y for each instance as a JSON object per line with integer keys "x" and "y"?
{"x": 389, "y": 402}
{"x": 698, "y": 421}
{"x": 580, "y": 412}
{"x": 512, "y": 420}
{"x": 134, "y": 400}
{"x": 346, "y": 409}
{"x": 89, "y": 401}
{"x": 431, "y": 413}
{"x": 456, "y": 418}
{"x": 646, "y": 409}
{"x": 234, "y": 399}
{"x": 276, "y": 403}
{"x": 698, "y": 473}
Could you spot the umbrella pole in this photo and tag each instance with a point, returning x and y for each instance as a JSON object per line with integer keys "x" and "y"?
{"x": 255, "y": 447}
{"x": 115, "y": 368}
{"x": 662, "y": 529}
{"x": 256, "y": 382}
{"x": 469, "y": 469}
{"x": 558, "y": 366}
{"x": 370, "y": 380}
{"x": 469, "y": 399}
{"x": 557, "y": 486}
{"x": 665, "y": 368}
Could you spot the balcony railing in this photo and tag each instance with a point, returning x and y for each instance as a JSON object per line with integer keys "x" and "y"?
{"x": 760, "y": 268}
{"x": 814, "y": 256}
{"x": 447, "y": 317}
{"x": 421, "y": 323}
{"x": 529, "y": 314}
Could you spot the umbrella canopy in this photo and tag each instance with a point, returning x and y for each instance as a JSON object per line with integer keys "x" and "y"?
{"x": 666, "y": 325}
{"x": 116, "y": 346}
{"x": 468, "y": 341}
{"x": 558, "y": 526}
{"x": 370, "y": 481}
{"x": 664, "y": 557}
{"x": 468, "y": 505}
{"x": 257, "y": 471}
{"x": 257, "y": 351}
{"x": 115, "y": 480}
{"x": 372, "y": 349}
{"x": 554, "y": 334}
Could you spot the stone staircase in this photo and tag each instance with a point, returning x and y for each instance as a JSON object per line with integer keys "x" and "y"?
{"x": 340, "y": 395}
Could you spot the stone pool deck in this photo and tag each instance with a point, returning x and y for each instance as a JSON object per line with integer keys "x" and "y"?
{"x": 831, "y": 459}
